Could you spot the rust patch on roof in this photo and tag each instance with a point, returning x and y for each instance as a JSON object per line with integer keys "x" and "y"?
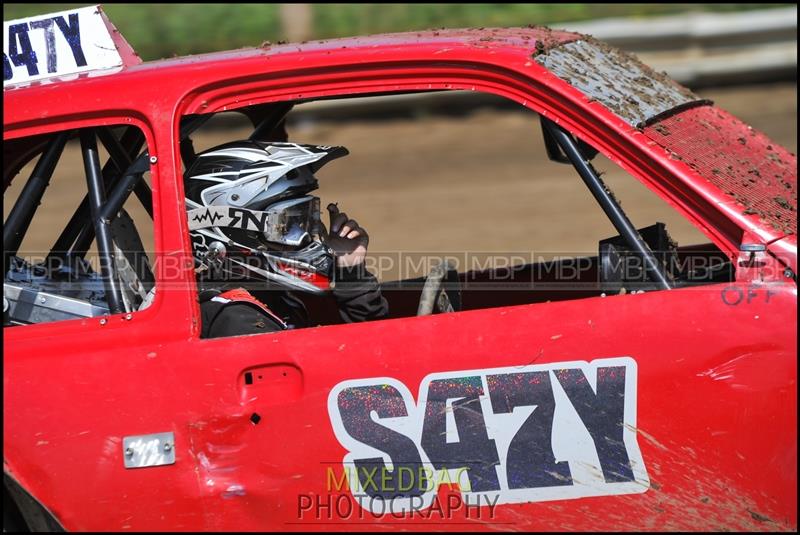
{"x": 758, "y": 174}
{"x": 616, "y": 79}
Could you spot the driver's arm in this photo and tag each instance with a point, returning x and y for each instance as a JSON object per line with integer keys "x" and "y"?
{"x": 358, "y": 295}
{"x": 355, "y": 289}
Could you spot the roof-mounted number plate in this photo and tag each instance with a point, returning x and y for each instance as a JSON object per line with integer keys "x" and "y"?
{"x": 144, "y": 451}
{"x": 57, "y": 45}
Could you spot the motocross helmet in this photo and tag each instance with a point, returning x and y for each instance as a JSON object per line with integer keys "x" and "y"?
{"x": 251, "y": 217}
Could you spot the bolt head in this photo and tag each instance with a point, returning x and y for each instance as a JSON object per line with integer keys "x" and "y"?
{"x": 167, "y": 446}
{"x": 103, "y": 321}
{"x": 128, "y": 316}
{"x": 153, "y": 159}
{"x": 129, "y": 452}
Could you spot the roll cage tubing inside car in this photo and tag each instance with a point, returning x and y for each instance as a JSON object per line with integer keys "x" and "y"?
{"x": 613, "y": 210}
{"x": 122, "y": 175}
{"x": 94, "y": 214}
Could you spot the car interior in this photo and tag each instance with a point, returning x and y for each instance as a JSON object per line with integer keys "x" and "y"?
{"x": 65, "y": 286}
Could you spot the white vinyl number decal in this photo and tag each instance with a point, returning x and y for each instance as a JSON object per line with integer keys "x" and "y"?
{"x": 505, "y": 435}
{"x": 57, "y": 45}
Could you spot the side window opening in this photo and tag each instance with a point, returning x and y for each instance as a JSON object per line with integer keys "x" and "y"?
{"x": 57, "y": 185}
{"x": 636, "y": 259}
{"x": 478, "y": 210}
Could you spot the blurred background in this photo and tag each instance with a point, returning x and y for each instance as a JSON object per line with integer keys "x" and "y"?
{"x": 460, "y": 171}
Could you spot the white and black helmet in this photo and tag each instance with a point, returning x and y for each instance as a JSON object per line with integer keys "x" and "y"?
{"x": 250, "y": 215}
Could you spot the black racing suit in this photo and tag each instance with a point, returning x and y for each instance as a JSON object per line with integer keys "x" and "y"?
{"x": 356, "y": 291}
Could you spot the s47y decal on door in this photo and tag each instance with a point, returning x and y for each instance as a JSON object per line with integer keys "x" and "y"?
{"x": 505, "y": 435}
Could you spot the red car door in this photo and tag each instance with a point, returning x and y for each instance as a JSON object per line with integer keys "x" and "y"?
{"x": 313, "y": 426}
{"x": 691, "y": 396}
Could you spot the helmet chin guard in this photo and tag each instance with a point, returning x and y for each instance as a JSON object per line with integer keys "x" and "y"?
{"x": 251, "y": 218}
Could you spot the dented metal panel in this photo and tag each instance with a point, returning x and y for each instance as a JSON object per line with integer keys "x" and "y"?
{"x": 758, "y": 174}
{"x": 617, "y": 80}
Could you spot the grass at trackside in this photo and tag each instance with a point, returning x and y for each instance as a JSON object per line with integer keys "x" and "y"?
{"x": 164, "y": 30}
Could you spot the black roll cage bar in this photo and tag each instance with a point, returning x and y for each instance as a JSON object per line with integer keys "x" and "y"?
{"x": 579, "y": 155}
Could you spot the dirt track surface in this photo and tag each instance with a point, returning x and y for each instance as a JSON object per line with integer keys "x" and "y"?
{"x": 478, "y": 183}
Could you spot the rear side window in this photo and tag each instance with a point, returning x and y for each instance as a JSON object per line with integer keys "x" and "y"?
{"x": 78, "y": 229}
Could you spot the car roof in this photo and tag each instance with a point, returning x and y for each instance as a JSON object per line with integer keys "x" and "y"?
{"x": 520, "y": 40}
{"x": 589, "y": 66}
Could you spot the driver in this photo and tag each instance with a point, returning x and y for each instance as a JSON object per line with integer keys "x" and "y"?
{"x": 258, "y": 240}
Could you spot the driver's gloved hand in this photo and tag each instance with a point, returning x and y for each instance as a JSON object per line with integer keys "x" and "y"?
{"x": 347, "y": 239}
{"x": 356, "y": 290}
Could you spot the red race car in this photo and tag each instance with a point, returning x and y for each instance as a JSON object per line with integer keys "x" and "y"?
{"x": 653, "y": 388}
